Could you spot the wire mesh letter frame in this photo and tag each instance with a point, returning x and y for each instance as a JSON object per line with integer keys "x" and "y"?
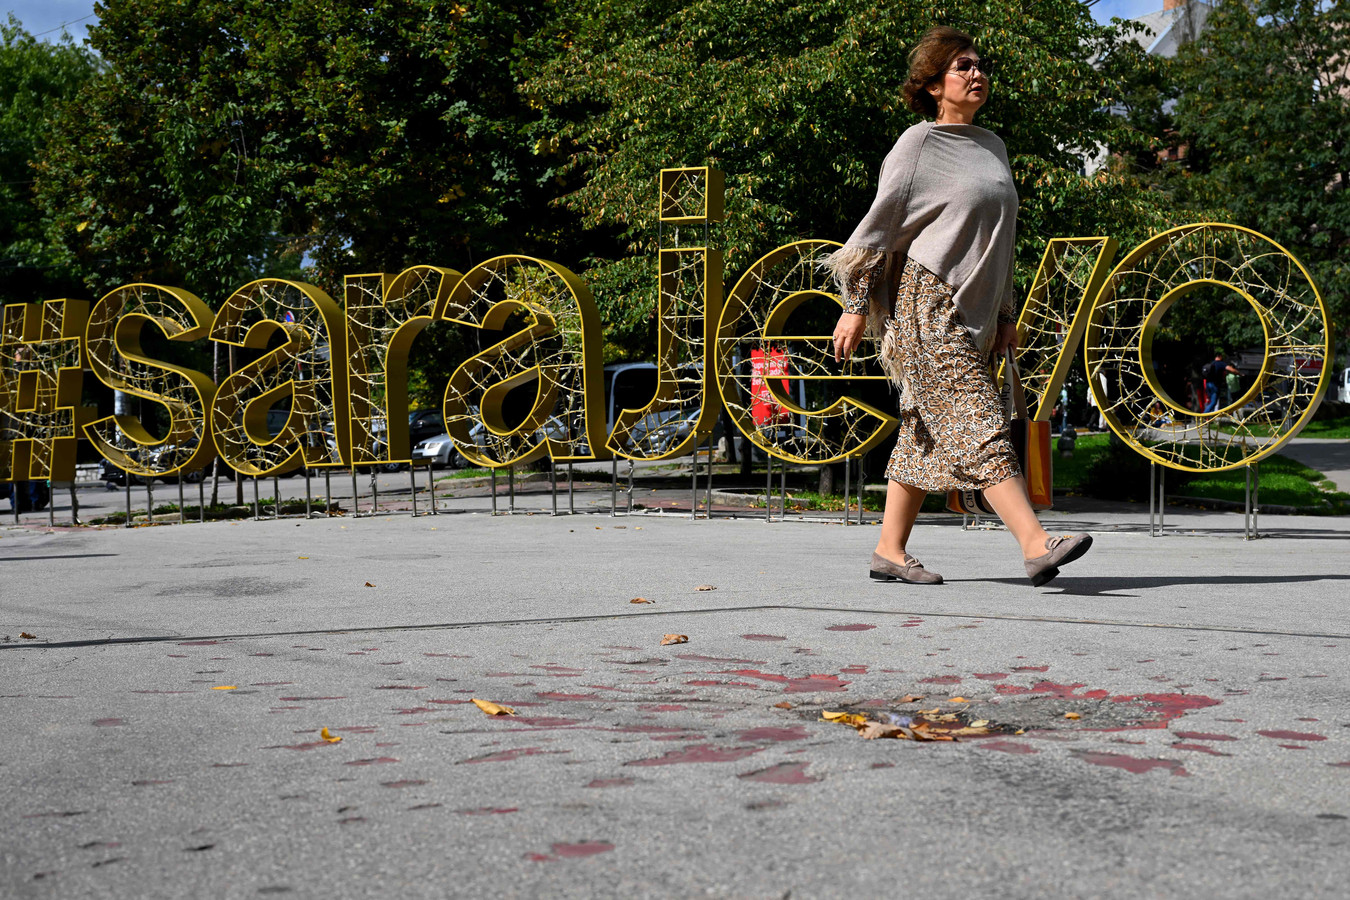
{"x": 41, "y": 379}
{"x": 1295, "y": 370}
{"x": 113, "y": 346}
{"x": 689, "y": 307}
{"x": 316, "y": 429}
{"x": 755, "y": 314}
{"x": 384, "y": 314}
{"x": 556, "y": 347}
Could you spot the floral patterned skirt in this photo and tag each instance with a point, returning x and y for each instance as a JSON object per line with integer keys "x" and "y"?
{"x": 954, "y": 436}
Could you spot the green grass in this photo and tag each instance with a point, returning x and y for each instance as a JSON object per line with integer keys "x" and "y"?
{"x": 219, "y": 512}
{"x": 1099, "y": 469}
{"x": 1284, "y": 482}
{"x": 1338, "y": 427}
{"x": 1071, "y": 471}
{"x": 1334, "y": 428}
{"x": 464, "y": 473}
{"x": 873, "y": 501}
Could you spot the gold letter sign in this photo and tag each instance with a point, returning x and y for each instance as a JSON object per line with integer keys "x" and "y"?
{"x": 40, "y": 382}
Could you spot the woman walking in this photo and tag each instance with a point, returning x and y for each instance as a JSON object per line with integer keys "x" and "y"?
{"x": 929, "y": 270}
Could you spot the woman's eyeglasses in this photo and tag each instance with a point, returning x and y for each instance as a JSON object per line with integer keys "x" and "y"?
{"x": 965, "y": 65}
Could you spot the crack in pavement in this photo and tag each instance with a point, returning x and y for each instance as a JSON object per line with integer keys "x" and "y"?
{"x": 564, "y": 620}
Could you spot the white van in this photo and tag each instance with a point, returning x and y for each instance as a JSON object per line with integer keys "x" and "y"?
{"x": 1343, "y": 385}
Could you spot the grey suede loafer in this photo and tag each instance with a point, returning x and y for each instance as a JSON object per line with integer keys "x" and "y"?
{"x": 1063, "y": 549}
{"x": 912, "y": 572}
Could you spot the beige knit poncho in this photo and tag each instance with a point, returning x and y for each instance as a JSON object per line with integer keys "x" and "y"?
{"x": 946, "y": 200}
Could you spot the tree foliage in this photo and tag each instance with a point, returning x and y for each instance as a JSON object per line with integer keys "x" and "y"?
{"x": 370, "y": 136}
{"x": 35, "y": 80}
{"x": 798, "y": 103}
{"x": 1265, "y": 104}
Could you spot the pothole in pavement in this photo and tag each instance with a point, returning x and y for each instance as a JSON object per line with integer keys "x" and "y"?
{"x": 941, "y": 719}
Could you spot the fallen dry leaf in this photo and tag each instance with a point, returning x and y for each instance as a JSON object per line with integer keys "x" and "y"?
{"x": 783, "y": 705}
{"x": 493, "y": 709}
{"x": 706, "y": 587}
{"x": 330, "y": 738}
{"x": 224, "y": 687}
{"x": 641, "y": 600}
{"x": 910, "y": 698}
{"x": 675, "y": 639}
{"x": 958, "y": 700}
{"x": 368, "y": 584}
{"x": 853, "y": 720}
{"x": 302, "y": 557}
{"x": 27, "y": 637}
{"x": 1072, "y": 715}
{"x": 979, "y": 723}
{"x": 873, "y": 730}
{"x": 930, "y": 712}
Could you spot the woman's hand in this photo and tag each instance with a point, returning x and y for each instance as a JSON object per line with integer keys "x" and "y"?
{"x": 1005, "y": 339}
{"x": 848, "y": 334}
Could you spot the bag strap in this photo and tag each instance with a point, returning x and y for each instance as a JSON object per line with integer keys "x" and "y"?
{"x": 1019, "y": 397}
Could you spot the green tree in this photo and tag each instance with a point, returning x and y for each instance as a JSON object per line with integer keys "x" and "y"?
{"x": 227, "y": 138}
{"x": 1265, "y": 105}
{"x": 798, "y": 102}
{"x": 36, "y": 79}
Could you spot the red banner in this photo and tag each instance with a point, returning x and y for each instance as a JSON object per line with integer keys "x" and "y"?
{"x": 764, "y": 408}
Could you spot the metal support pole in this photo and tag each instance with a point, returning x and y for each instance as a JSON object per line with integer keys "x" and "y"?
{"x": 707, "y": 507}
{"x": 150, "y": 501}
{"x": 1162, "y": 500}
{"x": 327, "y": 489}
{"x": 629, "y": 509}
{"x": 1251, "y": 508}
{"x": 51, "y": 506}
{"x": 782, "y": 506}
{"x": 614, "y": 486}
{"x": 412, "y": 480}
{"x": 1152, "y": 497}
{"x": 493, "y": 470}
{"x": 375, "y": 490}
{"x": 356, "y": 507}
{"x": 511, "y": 490}
{"x": 768, "y": 487}
{"x": 860, "y": 490}
{"x": 848, "y": 467}
{"x": 553, "y": 484}
{"x": 693, "y": 501}
{"x": 128, "y": 478}
{"x": 309, "y": 511}
{"x": 431, "y": 481}
{"x": 182, "y": 515}
{"x": 257, "y": 506}
{"x": 201, "y": 500}
{"x": 276, "y": 497}
{"x": 74, "y": 505}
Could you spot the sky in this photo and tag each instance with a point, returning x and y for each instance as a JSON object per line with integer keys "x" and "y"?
{"x": 45, "y": 17}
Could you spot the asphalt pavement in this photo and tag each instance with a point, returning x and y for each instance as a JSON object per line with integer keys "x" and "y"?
{"x": 1168, "y": 717}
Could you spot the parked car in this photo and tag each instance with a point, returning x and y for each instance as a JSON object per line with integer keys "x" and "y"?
{"x": 423, "y": 424}
{"x": 1342, "y": 386}
{"x": 439, "y": 451}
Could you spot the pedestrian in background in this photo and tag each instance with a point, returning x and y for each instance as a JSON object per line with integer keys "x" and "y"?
{"x": 1214, "y": 373}
{"x": 929, "y": 270}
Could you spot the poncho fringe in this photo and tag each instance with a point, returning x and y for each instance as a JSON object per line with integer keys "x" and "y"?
{"x": 846, "y": 266}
